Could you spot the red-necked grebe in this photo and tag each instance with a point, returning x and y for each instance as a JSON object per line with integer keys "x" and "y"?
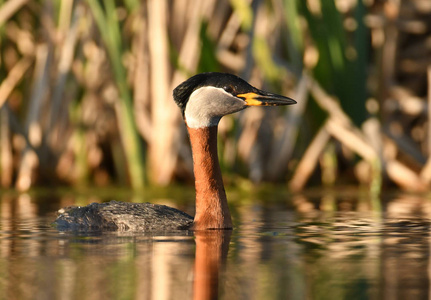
{"x": 203, "y": 99}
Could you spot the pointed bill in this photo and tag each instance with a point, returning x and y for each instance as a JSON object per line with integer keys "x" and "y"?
{"x": 262, "y": 98}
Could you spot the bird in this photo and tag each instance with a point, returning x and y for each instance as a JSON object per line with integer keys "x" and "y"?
{"x": 203, "y": 100}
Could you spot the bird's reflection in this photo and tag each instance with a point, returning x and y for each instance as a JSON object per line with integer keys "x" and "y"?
{"x": 212, "y": 247}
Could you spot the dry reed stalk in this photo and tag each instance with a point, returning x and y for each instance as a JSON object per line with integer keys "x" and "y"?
{"x": 164, "y": 146}
{"x": 189, "y": 53}
{"x": 13, "y": 78}
{"x": 58, "y": 114}
{"x": 33, "y": 129}
{"x": 229, "y": 33}
{"x": 404, "y": 142}
{"x": 29, "y": 162}
{"x": 340, "y": 122}
{"x": 160, "y": 153}
{"x": 259, "y": 26}
{"x": 405, "y": 102}
{"x": 340, "y": 127}
{"x": 6, "y": 163}
{"x": 350, "y": 139}
{"x": 309, "y": 160}
{"x": 190, "y": 47}
{"x": 107, "y": 19}
{"x": 373, "y": 134}
{"x": 141, "y": 80}
{"x": 326, "y": 102}
{"x": 224, "y": 55}
{"x": 21, "y": 37}
{"x": 64, "y": 19}
{"x": 80, "y": 150}
{"x": 328, "y": 165}
{"x": 8, "y": 9}
{"x": 404, "y": 177}
{"x": 388, "y": 52}
{"x": 283, "y": 147}
{"x": 188, "y": 59}
{"x": 409, "y": 105}
{"x": 40, "y": 87}
{"x": 251, "y": 120}
{"x": 179, "y": 19}
{"x": 425, "y": 174}
{"x": 218, "y": 22}
{"x": 356, "y": 142}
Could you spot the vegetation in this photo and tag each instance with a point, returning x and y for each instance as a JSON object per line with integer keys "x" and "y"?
{"x": 85, "y": 90}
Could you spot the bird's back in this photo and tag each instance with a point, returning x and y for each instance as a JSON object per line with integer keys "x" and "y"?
{"x": 122, "y": 216}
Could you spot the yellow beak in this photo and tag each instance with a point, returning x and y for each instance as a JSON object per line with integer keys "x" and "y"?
{"x": 262, "y": 98}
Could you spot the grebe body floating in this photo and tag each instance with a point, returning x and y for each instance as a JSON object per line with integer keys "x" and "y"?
{"x": 203, "y": 99}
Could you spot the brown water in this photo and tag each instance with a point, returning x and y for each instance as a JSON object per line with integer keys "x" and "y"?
{"x": 323, "y": 246}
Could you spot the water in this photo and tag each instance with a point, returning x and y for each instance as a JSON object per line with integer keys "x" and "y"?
{"x": 321, "y": 246}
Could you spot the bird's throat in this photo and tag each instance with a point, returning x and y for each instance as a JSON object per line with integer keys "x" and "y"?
{"x": 212, "y": 211}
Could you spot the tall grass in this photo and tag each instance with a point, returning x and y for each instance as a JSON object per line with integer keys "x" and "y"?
{"x": 86, "y": 90}
{"x": 109, "y": 28}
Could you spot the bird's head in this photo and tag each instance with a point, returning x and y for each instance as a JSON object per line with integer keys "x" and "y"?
{"x": 206, "y": 97}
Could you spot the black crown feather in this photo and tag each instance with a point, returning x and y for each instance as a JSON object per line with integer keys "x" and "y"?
{"x": 231, "y": 83}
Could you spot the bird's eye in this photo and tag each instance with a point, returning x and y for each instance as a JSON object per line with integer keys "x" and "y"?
{"x": 228, "y": 88}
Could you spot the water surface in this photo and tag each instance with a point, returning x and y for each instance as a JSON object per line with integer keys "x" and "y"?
{"x": 325, "y": 245}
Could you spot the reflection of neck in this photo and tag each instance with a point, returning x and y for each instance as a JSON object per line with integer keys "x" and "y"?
{"x": 211, "y": 250}
{"x": 212, "y": 210}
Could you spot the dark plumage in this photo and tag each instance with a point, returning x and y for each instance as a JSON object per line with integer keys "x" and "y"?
{"x": 122, "y": 216}
{"x": 229, "y": 82}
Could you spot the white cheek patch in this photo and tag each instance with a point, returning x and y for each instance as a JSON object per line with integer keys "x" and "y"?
{"x": 207, "y": 105}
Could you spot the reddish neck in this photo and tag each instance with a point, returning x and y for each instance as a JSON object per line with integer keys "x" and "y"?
{"x": 212, "y": 210}
{"x": 212, "y": 247}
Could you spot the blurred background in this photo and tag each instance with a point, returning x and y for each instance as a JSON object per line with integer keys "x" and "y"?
{"x": 86, "y": 91}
